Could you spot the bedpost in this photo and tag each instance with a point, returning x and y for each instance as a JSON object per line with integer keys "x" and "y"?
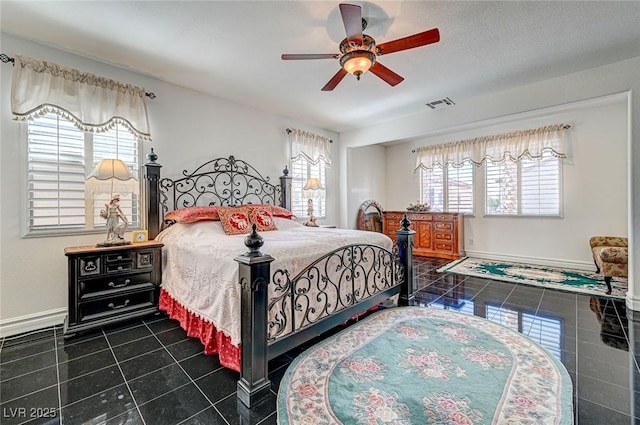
{"x": 152, "y": 204}
{"x": 405, "y": 252}
{"x": 255, "y": 272}
{"x": 285, "y": 189}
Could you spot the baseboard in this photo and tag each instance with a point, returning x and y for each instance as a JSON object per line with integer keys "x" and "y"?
{"x": 633, "y": 303}
{"x": 549, "y": 262}
{"x": 32, "y": 322}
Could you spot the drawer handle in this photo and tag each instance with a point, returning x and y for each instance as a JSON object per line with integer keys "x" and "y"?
{"x": 114, "y": 285}
{"x": 119, "y": 257}
{"x": 120, "y": 267}
{"x": 115, "y": 307}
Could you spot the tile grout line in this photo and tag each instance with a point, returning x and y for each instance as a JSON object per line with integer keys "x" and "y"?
{"x": 188, "y": 376}
{"x": 135, "y": 403}
{"x": 55, "y": 346}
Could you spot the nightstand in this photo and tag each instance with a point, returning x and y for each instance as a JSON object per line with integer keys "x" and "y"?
{"x": 112, "y": 284}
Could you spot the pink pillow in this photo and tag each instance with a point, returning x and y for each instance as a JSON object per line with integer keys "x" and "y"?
{"x": 263, "y": 219}
{"x": 281, "y": 212}
{"x": 235, "y": 220}
{"x": 193, "y": 214}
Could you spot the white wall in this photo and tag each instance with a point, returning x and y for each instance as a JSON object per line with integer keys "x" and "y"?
{"x": 594, "y": 183}
{"x": 605, "y": 80}
{"x": 366, "y": 167}
{"x": 187, "y": 129}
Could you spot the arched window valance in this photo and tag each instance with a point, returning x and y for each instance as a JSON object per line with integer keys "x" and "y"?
{"x": 91, "y": 102}
{"x": 314, "y": 148}
{"x": 512, "y": 146}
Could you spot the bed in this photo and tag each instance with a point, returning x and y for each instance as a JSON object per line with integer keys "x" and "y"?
{"x": 248, "y": 304}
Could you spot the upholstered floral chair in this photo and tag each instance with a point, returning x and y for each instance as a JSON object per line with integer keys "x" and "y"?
{"x": 611, "y": 255}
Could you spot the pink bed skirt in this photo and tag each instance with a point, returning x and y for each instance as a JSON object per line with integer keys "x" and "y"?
{"x": 214, "y": 341}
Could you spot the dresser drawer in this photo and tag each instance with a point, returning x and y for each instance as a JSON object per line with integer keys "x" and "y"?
{"x": 393, "y": 215}
{"x": 88, "y": 288}
{"x": 443, "y": 246}
{"x": 443, "y": 217}
{"x": 443, "y": 237}
{"x": 443, "y": 226}
{"x": 419, "y": 217}
{"x": 115, "y": 305}
{"x": 392, "y": 224}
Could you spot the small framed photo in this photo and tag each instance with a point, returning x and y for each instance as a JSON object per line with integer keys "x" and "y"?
{"x": 140, "y": 236}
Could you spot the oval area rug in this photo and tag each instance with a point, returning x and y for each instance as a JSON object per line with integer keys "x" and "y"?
{"x": 419, "y": 365}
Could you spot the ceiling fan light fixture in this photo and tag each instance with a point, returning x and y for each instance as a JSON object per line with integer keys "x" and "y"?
{"x": 357, "y": 62}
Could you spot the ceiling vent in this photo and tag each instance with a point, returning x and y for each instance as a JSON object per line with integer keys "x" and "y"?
{"x": 441, "y": 104}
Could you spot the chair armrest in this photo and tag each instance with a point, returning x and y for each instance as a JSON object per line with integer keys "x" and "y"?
{"x": 615, "y": 254}
{"x": 608, "y": 241}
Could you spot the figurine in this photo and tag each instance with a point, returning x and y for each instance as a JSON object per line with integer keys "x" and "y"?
{"x": 311, "y": 222}
{"x": 113, "y": 214}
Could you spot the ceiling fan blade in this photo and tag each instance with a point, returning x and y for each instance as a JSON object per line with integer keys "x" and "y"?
{"x": 333, "y": 82}
{"x": 352, "y": 18}
{"x": 304, "y": 56}
{"x": 416, "y": 40}
{"x": 386, "y": 74}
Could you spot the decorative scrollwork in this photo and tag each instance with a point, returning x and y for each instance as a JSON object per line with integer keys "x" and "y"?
{"x": 221, "y": 181}
{"x": 335, "y": 281}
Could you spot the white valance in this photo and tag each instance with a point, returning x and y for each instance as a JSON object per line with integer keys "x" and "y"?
{"x": 513, "y": 146}
{"x": 91, "y": 102}
{"x": 314, "y": 148}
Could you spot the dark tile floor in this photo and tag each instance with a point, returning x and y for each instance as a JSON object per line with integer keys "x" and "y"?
{"x": 148, "y": 372}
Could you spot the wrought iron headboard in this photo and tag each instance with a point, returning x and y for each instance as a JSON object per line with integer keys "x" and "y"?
{"x": 222, "y": 181}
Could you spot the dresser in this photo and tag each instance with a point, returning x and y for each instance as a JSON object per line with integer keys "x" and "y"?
{"x": 438, "y": 234}
{"x": 112, "y": 284}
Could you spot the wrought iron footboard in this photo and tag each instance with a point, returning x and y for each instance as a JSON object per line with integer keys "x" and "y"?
{"x": 335, "y": 281}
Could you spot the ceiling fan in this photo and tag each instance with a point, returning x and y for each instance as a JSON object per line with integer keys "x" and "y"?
{"x": 359, "y": 53}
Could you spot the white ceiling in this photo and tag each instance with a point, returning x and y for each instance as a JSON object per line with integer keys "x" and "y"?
{"x": 231, "y": 49}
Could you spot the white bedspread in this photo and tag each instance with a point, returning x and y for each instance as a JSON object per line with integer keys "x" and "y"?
{"x": 199, "y": 270}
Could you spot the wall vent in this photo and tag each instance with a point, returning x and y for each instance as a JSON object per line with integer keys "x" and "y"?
{"x": 441, "y": 103}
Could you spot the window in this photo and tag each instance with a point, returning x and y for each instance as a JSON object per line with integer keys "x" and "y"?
{"x": 302, "y": 170}
{"x": 449, "y": 189}
{"x": 528, "y": 187}
{"x": 59, "y": 158}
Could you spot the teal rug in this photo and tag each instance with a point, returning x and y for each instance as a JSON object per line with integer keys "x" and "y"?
{"x": 579, "y": 281}
{"x": 420, "y": 365}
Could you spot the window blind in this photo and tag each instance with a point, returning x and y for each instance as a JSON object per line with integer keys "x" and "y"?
{"x": 59, "y": 158}
{"x": 301, "y": 170}
{"x": 56, "y": 173}
{"x": 448, "y": 190}
{"x": 529, "y": 187}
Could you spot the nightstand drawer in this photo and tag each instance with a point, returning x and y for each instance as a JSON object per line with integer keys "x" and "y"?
{"x": 115, "y": 305}
{"x": 119, "y": 267}
{"x": 97, "y": 287}
{"x": 121, "y": 256}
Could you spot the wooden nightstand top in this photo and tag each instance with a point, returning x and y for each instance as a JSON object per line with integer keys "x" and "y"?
{"x": 97, "y": 249}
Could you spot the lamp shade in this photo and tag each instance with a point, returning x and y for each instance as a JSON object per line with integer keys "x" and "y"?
{"x": 313, "y": 183}
{"x": 111, "y": 175}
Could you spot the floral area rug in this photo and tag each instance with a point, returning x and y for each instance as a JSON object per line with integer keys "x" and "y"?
{"x": 420, "y": 365}
{"x": 580, "y": 281}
